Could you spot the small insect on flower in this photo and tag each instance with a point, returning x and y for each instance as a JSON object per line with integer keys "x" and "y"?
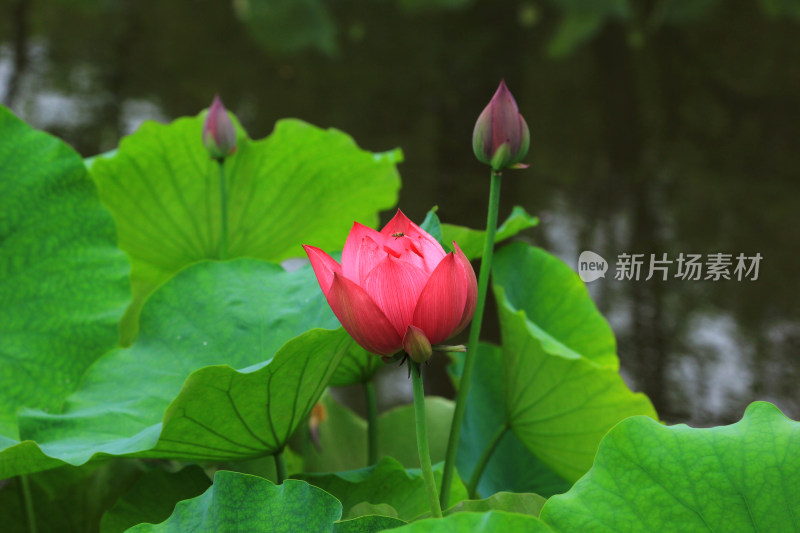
{"x": 398, "y": 235}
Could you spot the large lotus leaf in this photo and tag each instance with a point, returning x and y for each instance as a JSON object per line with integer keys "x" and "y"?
{"x": 558, "y": 402}
{"x": 343, "y": 436}
{"x": 647, "y": 477}
{"x": 490, "y": 522}
{"x": 512, "y": 467}
{"x": 236, "y": 313}
{"x": 153, "y": 497}
{"x": 222, "y": 414}
{"x": 471, "y": 240}
{"x": 63, "y": 281}
{"x": 299, "y": 185}
{"x": 559, "y": 310}
{"x": 387, "y": 482}
{"x": 240, "y": 502}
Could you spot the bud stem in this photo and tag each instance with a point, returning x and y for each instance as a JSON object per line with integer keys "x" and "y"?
{"x": 280, "y": 466}
{"x": 372, "y": 423}
{"x": 223, "y": 238}
{"x": 422, "y": 439}
{"x": 474, "y": 335}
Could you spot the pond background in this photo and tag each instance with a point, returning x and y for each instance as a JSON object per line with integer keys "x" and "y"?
{"x": 657, "y": 127}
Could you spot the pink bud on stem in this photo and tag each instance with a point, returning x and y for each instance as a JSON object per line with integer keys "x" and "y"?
{"x": 501, "y": 137}
{"x": 219, "y": 136}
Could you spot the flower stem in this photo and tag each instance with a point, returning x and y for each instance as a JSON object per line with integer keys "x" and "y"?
{"x": 27, "y": 503}
{"x": 280, "y": 466}
{"x": 372, "y": 422}
{"x": 223, "y": 238}
{"x": 472, "y": 487}
{"x": 422, "y": 439}
{"x": 474, "y": 335}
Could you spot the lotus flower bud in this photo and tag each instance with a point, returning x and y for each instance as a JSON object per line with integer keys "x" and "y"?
{"x": 219, "y": 136}
{"x": 417, "y": 345}
{"x": 501, "y": 137}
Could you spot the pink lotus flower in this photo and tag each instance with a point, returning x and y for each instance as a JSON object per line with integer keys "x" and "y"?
{"x": 393, "y": 283}
{"x": 219, "y": 136}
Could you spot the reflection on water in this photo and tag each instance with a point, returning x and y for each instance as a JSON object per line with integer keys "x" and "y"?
{"x": 660, "y": 130}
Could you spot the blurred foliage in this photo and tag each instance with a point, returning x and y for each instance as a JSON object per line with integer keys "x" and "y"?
{"x": 288, "y": 26}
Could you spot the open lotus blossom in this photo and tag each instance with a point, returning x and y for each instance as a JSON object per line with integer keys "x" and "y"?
{"x": 394, "y": 284}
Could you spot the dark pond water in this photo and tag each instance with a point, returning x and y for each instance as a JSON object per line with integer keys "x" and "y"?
{"x": 658, "y": 127}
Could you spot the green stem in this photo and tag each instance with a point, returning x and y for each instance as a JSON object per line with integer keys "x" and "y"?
{"x": 472, "y": 487}
{"x": 422, "y": 439}
{"x": 280, "y": 466}
{"x": 223, "y": 238}
{"x": 372, "y": 423}
{"x": 27, "y": 503}
{"x": 474, "y": 335}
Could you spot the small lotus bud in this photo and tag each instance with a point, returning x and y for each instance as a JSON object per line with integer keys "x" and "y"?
{"x": 501, "y": 137}
{"x": 219, "y": 136}
{"x": 417, "y": 345}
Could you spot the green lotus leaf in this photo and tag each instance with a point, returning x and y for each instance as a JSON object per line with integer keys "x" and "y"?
{"x": 512, "y": 466}
{"x": 240, "y": 502}
{"x": 471, "y": 241}
{"x": 63, "y": 281}
{"x": 196, "y": 329}
{"x": 558, "y": 308}
{"x": 386, "y": 482}
{"x": 299, "y": 185}
{"x": 222, "y": 414}
{"x": 433, "y": 226}
{"x": 647, "y": 477}
{"x": 357, "y": 366}
{"x": 558, "y": 401}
